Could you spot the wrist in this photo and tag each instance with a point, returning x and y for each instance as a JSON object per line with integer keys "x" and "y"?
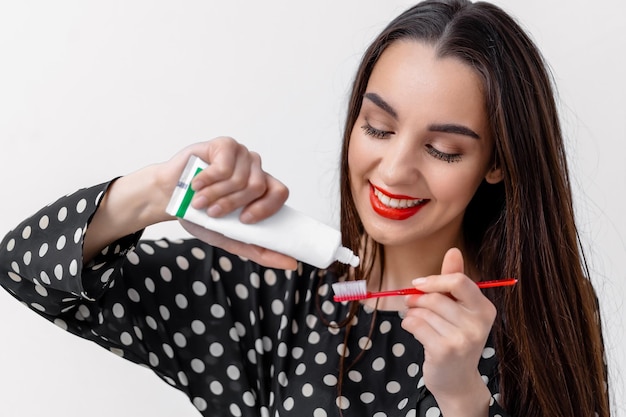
{"x": 473, "y": 401}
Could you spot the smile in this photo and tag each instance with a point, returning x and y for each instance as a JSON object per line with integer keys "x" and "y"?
{"x": 392, "y": 206}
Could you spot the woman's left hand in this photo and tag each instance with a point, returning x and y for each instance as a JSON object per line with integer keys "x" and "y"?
{"x": 452, "y": 320}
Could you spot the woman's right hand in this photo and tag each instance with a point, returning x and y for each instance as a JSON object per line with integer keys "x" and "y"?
{"x": 234, "y": 179}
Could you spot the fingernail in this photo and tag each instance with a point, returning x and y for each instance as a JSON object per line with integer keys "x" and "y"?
{"x": 199, "y": 201}
{"x": 246, "y": 217}
{"x": 197, "y": 185}
{"x": 418, "y": 281}
{"x": 215, "y": 210}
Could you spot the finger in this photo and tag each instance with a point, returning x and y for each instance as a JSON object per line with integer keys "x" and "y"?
{"x": 452, "y": 262}
{"x": 274, "y": 198}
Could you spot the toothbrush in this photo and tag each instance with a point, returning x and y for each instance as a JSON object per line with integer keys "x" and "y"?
{"x": 357, "y": 290}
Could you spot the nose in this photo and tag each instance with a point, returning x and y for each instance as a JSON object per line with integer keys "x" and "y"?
{"x": 399, "y": 163}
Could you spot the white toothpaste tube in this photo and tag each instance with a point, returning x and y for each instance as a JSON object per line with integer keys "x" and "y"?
{"x": 288, "y": 231}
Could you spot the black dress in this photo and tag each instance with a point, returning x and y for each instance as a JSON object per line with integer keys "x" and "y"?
{"x": 237, "y": 338}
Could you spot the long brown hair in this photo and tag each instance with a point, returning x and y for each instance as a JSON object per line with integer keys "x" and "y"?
{"x": 548, "y": 334}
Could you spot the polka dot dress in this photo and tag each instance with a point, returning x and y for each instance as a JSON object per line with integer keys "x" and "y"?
{"x": 237, "y": 338}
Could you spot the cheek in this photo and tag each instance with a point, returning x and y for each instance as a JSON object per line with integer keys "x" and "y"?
{"x": 455, "y": 185}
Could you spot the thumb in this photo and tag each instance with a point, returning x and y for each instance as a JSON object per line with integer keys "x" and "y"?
{"x": 452, "y": 262}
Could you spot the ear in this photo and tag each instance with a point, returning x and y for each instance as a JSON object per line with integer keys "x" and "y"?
{"x": 494, "y": 175}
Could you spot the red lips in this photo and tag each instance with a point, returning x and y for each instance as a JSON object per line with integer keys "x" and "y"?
{"x": 391, "y": 212}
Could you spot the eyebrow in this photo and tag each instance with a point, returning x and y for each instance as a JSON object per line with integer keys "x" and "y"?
{"x": 437, "y": 127}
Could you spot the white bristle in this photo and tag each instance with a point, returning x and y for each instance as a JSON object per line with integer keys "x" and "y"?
{"x": 350, "y": 289}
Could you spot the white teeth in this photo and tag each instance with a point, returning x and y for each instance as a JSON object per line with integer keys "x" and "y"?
{"x": 396, "y": 202}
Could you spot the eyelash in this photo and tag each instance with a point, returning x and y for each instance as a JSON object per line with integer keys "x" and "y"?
{"x": 436, "y": 153}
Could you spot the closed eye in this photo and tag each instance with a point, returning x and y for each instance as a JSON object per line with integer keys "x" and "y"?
{"x": 443, "y": 156}
{"x": 376, "y": 133}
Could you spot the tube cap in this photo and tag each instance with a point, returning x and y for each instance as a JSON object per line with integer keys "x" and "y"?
{"x": 346, "y": 256}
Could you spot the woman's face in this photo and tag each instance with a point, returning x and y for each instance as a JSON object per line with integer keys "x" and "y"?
{"x": 420, "y": 146}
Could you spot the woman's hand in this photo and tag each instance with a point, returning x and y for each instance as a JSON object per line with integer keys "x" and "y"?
{"x": 234, "y": 179}
{"x": 452, "y": 320}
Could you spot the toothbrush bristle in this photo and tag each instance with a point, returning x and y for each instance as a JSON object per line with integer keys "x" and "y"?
{"x": 350, "y": 290}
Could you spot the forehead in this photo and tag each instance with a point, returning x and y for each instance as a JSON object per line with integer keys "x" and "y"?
{"x": 410, "y": 73}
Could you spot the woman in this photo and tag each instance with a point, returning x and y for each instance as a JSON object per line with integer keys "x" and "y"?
{"x": 453, "y": 171}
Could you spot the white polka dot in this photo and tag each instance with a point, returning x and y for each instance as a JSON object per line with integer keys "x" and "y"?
{"x": 355, "y": 376}
{"x": 180, "y": 340}
{"x": 398, "y": 349}
{"x": 216, "y": 349}
{"x": 328, "y": 307}
{"x": 307, "y": 390}
{"x": 181, "y": 301}
{"x": 199, "y": 288}
{"x": 62, "y": 214}
{"x": 241, "y": 291}
{"x": 44, "y": 222}
{"x": 198, "y": 327}
{"x": 104, "y": 278}
{"x": 73, "y": 268}
{"x": 367, "y": 397}
{"x": 385, "y": 327}
{"x": 126, "y": 339}
{"x": 330, "y": 380}
{"x": 167, "y": 349}
{"x": 28, "y": 256}
{"x": 61, "y": 323}
{"x": 288, "y": 404}
{"x": 365, "y": 343}
{"x": 488, "y": 352}
{"x": 216, "y": 388}
{"x": 151, "y": 323}
{"x": 150, "y": 286}
{"x": 235, "y": 410}
{"x": 278, "y": 307}
{"x": 41, "y": 290}
{"x": 43, "y": 249}
{"x": 393, "y": 387}
{"x": 200, "y": 403}
{"x": 84, "y": 311}
{"x": 118, "y": 310}
{"x": 319, "y": 412}
{"x": 198, "y": 366}
{"x": 58, "y": 272}
{"x": 300, "y": 369}
{"x": 412, "y": 370}
{"x": 218, "y": 311}
{"x": 270, "y": 277}
{"x": 153, "y": 359}
{"x": 433, "y": 412}
{"x": 133, "y": 295}
{"x": 182, "y": 378}
{"x": 26, "y": 232}
{"x": 321, "y": 358}
{"x": 133, "y": 258}
{"x": 198, "y": 253}
{"x": 44, "y": 277}
{"x": 165, "y": 313}
{"x": 248, "y": 399}
{"x": 166, "y": 274}
{"x": 403, "y": 403}
{"x": 314, "y": 338}
{"x": 342, "y": 402}
{"x": 282, "y": 379}
{"x": 233, "y": 372}
{"x": 255, "y": 280}
{"x": 38, "y": 307}
{"x": 78, "y": 235}
{"x": 225, "y": 264}
{"x": 215, "y": 276}
{"x": 378, "y": 364}
{"x": 311, "y": 321}
{"x": 182, "y": 263}
{"x": 81, "y": 206}
{"x": 11, "y": 245}
{"x": 297, "y": 352}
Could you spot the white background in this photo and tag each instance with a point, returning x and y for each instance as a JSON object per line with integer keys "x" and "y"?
{"x": 91, "y": 90}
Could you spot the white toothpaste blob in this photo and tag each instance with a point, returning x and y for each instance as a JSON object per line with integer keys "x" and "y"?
{"x": 288, "y": 231}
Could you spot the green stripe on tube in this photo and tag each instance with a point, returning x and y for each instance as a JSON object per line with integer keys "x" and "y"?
{"x": 184, "y": 205}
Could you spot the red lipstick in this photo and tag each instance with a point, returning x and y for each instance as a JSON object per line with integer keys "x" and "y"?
{"x": 392, "y": 212}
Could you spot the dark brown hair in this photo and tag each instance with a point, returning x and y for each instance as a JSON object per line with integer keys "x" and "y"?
{"x": 548, "y": 334}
